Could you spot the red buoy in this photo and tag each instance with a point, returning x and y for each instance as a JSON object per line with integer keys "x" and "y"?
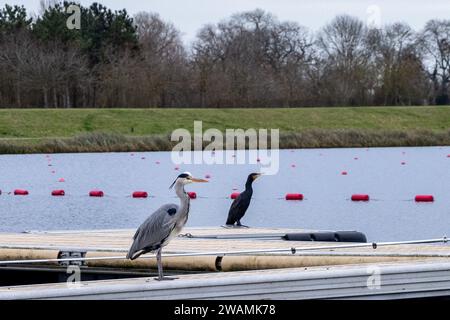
{"x": 192, "y": 195}
{"x": 96, "y": 193}
{"x": 360, "y": 197}
{"x": 140, "y": 194}
{"x": 344, "y": 173}
{"x": 424, "y": 198}
{"x": 20, "y": 192}
{"x": 234, "y": 195}
{"x": 58, "y": 193}
{"x": 294, "y": 196}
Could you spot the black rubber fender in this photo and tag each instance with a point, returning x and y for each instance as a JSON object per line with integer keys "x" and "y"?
{"x": 350, "y": 236}
{"x": 324, "y": 236}
{"x": 338, "y": 236}
{"x": 297, "y": 237}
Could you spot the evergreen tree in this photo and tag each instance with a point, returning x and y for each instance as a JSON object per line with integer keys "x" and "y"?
{"x": 13, "y": 18}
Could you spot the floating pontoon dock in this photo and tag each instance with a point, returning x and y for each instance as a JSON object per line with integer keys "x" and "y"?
{"x": 260, "y": 265}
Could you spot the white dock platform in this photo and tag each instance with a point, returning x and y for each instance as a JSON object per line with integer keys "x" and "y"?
{"x": 397, "y": 271}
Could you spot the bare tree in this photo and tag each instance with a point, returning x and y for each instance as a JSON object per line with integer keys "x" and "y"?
{"x": 435, "y": 40}
{"x": 345, "y": 61}
{"x": 401, "y": 80}
{"x": 289, "y": 52}
{"x": 164, "y": 62}
{"x": 251, "y": 59}
{"x": 46, "y": 68}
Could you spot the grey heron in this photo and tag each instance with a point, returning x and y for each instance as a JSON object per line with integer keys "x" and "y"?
{"x": 163, "y": 225}
{"x": 241, "y": 203}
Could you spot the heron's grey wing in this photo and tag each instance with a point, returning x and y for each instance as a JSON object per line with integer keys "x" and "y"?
{"x": 153, "y": 231}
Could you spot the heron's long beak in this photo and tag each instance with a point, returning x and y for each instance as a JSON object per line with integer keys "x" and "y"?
{"x": 198, "y": 180}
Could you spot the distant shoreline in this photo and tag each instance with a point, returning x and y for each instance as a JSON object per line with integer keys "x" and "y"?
{"x": 105, "y": 142}
{"x": 122, "y": 130}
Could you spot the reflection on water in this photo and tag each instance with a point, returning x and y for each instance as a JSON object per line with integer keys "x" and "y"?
{"x": 391, "y": 176}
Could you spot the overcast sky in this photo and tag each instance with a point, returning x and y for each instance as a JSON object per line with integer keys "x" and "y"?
{"x": 189, "y": 15}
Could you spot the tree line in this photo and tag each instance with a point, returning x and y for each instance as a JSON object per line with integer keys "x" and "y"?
{"x": 250, "y": 59}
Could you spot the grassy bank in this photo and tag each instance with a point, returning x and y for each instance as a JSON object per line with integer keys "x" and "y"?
{"x": 89, "y": 130}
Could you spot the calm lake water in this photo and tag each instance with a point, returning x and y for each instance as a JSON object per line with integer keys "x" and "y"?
{"x": 390, "y": 215}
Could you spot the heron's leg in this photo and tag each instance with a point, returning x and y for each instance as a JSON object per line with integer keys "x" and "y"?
{"x": 159, "y": 262}
{"x": 160, "y": 268}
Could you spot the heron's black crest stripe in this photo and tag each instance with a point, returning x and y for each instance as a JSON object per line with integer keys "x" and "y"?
{"x": 182, "y": 175}
{"x": 173, "y": 184}
{"x": 171, "y": 211}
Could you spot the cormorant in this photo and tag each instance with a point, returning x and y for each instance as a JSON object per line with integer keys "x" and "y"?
{"x": 241, "y": 203}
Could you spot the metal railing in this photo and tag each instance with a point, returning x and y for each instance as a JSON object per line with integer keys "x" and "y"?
{"x": 292, "y": 250}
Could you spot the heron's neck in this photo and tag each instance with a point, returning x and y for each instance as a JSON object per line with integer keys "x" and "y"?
{"x": 184, "y": 197}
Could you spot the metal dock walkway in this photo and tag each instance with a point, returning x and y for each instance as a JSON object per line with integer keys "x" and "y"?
{"x": 409, "y": 270}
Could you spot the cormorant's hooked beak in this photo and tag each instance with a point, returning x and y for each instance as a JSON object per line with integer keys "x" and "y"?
{"x": 257, "y": 176}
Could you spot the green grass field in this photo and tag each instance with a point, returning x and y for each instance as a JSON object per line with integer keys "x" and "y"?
{"x": 58, "y": 130}
{"x": 43, "y": 123}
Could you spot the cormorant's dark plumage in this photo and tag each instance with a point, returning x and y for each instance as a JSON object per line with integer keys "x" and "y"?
{"x": 241, "y": 203}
